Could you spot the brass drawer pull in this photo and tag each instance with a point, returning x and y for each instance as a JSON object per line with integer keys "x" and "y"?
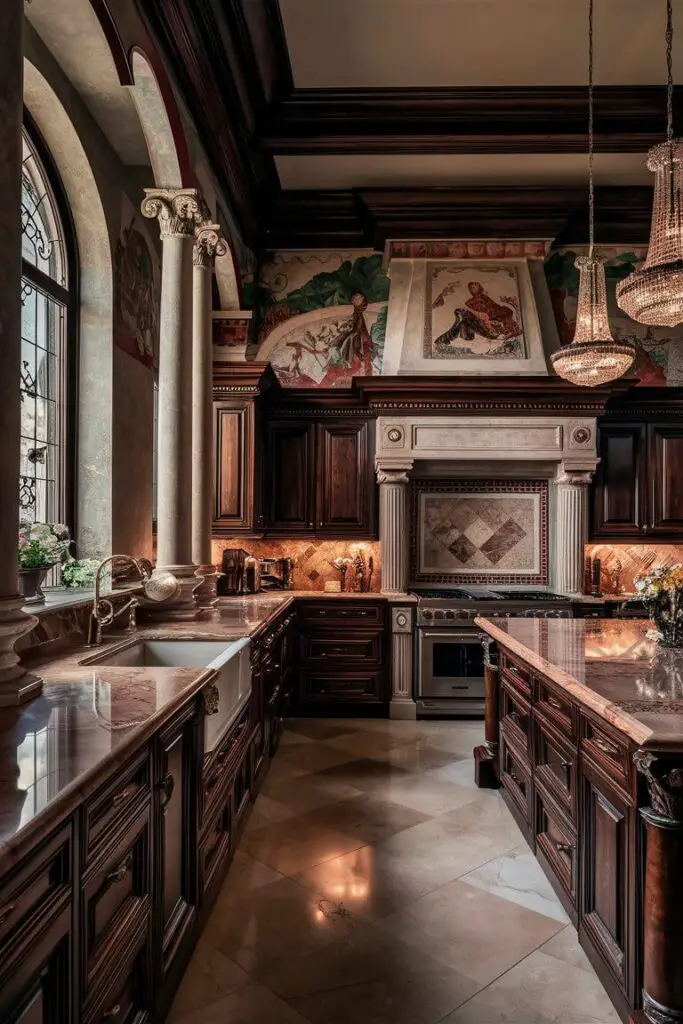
{"x": 6, "y": 912}
{"x": 113, "y": 1012}
{"x": 606, "y": 748}
{"x": 167, "y": 785}
{"x": 567, "y": 764}
{"x": 124, "y": 794}
{"x": 121, "y": 871}
{"x": 513, "y": 776}
{"x": 562, "y": 847}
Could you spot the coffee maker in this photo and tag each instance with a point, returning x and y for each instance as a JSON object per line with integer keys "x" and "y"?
{"x": 232, "y": 567}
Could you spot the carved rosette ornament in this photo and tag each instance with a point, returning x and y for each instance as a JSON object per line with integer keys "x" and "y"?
{"x": 211, "y": 699}
{"x": 664, "y": 782}
{"x": 208, "y": 244}
{"x": 177, "y": 209}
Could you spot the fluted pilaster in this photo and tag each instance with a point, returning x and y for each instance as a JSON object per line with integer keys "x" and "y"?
{"x": 571, "y": 526}
{"x": 402, "y": 701}
{"x": 394, "y": 527}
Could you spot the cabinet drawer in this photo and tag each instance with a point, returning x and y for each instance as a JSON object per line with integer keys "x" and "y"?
{"x": 362, "y": 613}
{"x": 608, "y": 750}
{"x": 515, "y": 714}
{"x": 515, "y": 777}
{"x": 553, "y": 704}
{"x": 116, "y": 899}
{"x": 556, "y": 763}
{"x": 556, "y": 841}
{"x": 518, "y": 674}
{"x": 39, "y": 887}
{"x": 357, "y": 686}
{"x": 214, "y": 849}
{"x": 128, "y": 998}
{"x": 332, "y": 649}
{"x": 229, "y": 754}
{"x": 107, "y": 811}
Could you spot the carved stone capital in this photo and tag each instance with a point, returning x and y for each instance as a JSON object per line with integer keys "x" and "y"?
{"x": 392, "y": 476}
{"x": 208, "y": 243}
{"x": 573, "y": 477}
{"x": 664, "y": 782}
{"x": 177, "y": 209}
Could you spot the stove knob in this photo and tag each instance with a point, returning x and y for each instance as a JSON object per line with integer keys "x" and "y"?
{"x": 427, "y": 614}
{"x": 450, "y": 615}
{"x": 438, "y": 614}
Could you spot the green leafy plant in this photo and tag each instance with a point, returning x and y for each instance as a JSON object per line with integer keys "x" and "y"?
{"x": 79, "y": 572}
{"x": 42, "y": 545}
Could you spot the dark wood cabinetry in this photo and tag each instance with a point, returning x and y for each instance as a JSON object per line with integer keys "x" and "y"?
{"x": 320, "y": 478}
{"x": 637, "y": 490}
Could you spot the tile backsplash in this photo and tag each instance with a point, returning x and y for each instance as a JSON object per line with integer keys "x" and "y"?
{"x": 312, "y": 558}
{"x": 621, "y": 563}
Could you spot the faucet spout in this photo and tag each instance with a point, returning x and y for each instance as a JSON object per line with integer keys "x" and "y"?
{"x": 103, "y": 612}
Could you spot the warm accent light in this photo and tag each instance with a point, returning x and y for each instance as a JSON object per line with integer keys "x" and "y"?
{"x": 593, "y": 357}
{"x": 654, "y": 294}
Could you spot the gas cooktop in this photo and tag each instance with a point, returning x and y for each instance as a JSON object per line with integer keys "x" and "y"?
{"x": 484, "y": 594}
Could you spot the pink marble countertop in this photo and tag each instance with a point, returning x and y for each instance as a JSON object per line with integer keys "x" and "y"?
{"x": 610, "y": 666}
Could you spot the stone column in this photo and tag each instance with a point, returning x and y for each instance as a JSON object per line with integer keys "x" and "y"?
{"x": 394, "y": 533}
{"x": 207, "y": 245}
{"x": 16, "y": 686}
{"x": 402, "y": 701}
{"x": 177, "y": 210}
{"x": 571, "y": 528}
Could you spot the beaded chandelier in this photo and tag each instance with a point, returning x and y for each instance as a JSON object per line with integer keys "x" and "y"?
{"x": 593, "y": 357}
{"x": 654, "y": 293}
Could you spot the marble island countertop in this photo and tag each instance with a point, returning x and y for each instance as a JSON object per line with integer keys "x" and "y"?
{"x": 610, "y": 666}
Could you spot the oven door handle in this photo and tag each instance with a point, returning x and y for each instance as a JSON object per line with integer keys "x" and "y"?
{"x": 473, "y": 637}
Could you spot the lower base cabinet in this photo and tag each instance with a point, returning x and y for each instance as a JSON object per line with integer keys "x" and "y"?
{"x": 37, "y": 988}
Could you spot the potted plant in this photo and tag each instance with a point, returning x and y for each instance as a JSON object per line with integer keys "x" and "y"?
{"x": 79, "y": 573}
{"x": 662, "y": 594}
{"x": 41, "y": 546}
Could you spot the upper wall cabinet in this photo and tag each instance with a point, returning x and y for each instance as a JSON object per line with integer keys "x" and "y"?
{"x": 637, "y": 492}
{"x": 319, "y": 478}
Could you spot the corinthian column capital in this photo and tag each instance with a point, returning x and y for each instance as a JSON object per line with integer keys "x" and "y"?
{"x": 208, "y": 243}
{"x": 176, "y": 208}
{"x": 574, "y": 477}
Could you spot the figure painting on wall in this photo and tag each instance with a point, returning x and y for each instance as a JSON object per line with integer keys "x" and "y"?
{"x": 330, "y": 328}
{"x": 136, "y": 306}
{"x": 473, "y": 312}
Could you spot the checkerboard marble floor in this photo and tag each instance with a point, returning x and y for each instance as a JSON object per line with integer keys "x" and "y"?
{"x": 374, "y": 884}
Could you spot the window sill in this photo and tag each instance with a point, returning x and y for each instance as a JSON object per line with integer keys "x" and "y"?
{"x": 56, "y": 600}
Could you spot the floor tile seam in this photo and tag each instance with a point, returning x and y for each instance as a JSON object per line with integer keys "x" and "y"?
{"x": 478, "y": 888}
{"x": 323, "y": 861}
{"x": 304, "y": 814}
{"x": 511, "y": 968}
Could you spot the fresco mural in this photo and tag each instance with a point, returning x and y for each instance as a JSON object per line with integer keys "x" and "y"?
{"x": 137, "y": 288}
{"x": 659, "y": 359}
{"x": 321, "y": 316}
{"x": 473, "y": 311}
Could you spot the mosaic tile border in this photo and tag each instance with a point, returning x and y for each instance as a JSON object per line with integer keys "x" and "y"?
{"x": 458, "y": 486}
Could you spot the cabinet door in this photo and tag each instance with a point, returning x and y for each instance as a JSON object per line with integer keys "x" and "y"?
{"x": 666, "y": 476}
{"x": 606, "y": 871}
{"x": 35, "y": 982}
{"x": 234, "y": 462}
{"x": 345, "y": 480}
{"x": 177, "y": 786}
{"x": 290, "y": 477}
{"x": 619, "y": 491}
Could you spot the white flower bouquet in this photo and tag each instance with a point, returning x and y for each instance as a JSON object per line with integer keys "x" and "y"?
{"x": 662, "y": 593}
{"x": 42, "y": 545}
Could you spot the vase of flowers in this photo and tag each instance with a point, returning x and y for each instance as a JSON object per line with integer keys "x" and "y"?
{"x": 41, "y": 546}
{"x": 662, "y": 594}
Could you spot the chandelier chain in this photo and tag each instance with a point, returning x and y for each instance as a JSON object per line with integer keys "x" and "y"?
{"x": 591, "y": 187}
{"x": 669, "y": 72}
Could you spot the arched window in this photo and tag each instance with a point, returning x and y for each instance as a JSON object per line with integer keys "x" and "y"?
{"x": 47, "y": 341}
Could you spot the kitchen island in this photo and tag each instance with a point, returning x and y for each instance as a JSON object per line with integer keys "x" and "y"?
{"x": 584, "y": 735}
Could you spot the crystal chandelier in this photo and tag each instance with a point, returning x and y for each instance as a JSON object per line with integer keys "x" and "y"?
{"x": 593, "y": 357}
{"x": 654, "y": 293}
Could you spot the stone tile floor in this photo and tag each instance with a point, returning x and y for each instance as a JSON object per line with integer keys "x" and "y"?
{"x": 374, "y": 884}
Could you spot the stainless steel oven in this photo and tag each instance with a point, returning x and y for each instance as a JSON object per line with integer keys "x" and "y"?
{"x": 450, "y": 671}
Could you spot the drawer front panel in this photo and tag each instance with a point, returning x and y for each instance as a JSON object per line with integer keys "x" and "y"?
{"x": 230, "y": 752}
{"x": 516, "y": 673}
{"x": 515, "y": 714}
{"x": 342, "y": 650}
{"x": 609, "y": 751}
{"x": 361, "y": 613}
{"x": 556, "y": 839}
{"x": 556, "y": 764}
{"x": 357, "y": 686}
{"x": 215, "y": 845}
{"x": 556, "y": 706}
{"x": 115, "y": 803}
{"x": 38, "y": 886}
{"x": 515, "y": 777}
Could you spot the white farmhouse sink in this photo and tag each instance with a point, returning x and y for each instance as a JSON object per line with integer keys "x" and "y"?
{"x": 230, "y": 660}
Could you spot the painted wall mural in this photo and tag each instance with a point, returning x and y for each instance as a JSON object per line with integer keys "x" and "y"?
{"x": 473, "y": 311}
{"x": 659, "y": 360}
{"x": 321, "y": 316}
{"x": 137, "y": 289}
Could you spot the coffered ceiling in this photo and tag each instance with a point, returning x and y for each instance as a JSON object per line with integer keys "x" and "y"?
{"x": 322, "y": 113}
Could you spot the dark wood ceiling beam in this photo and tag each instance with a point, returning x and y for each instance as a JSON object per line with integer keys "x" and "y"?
{"x": 540, "y": 119}
{"x": 368, "y": 217}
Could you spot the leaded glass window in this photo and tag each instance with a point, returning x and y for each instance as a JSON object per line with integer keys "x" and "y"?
{"x": 45, "y": 306}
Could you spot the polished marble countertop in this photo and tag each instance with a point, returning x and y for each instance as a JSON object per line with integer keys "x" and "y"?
{"x": 60, "y": 747}
{"x": 610, "y": 666}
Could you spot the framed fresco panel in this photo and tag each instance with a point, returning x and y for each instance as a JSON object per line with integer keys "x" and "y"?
{"x": 483, "y": 532}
